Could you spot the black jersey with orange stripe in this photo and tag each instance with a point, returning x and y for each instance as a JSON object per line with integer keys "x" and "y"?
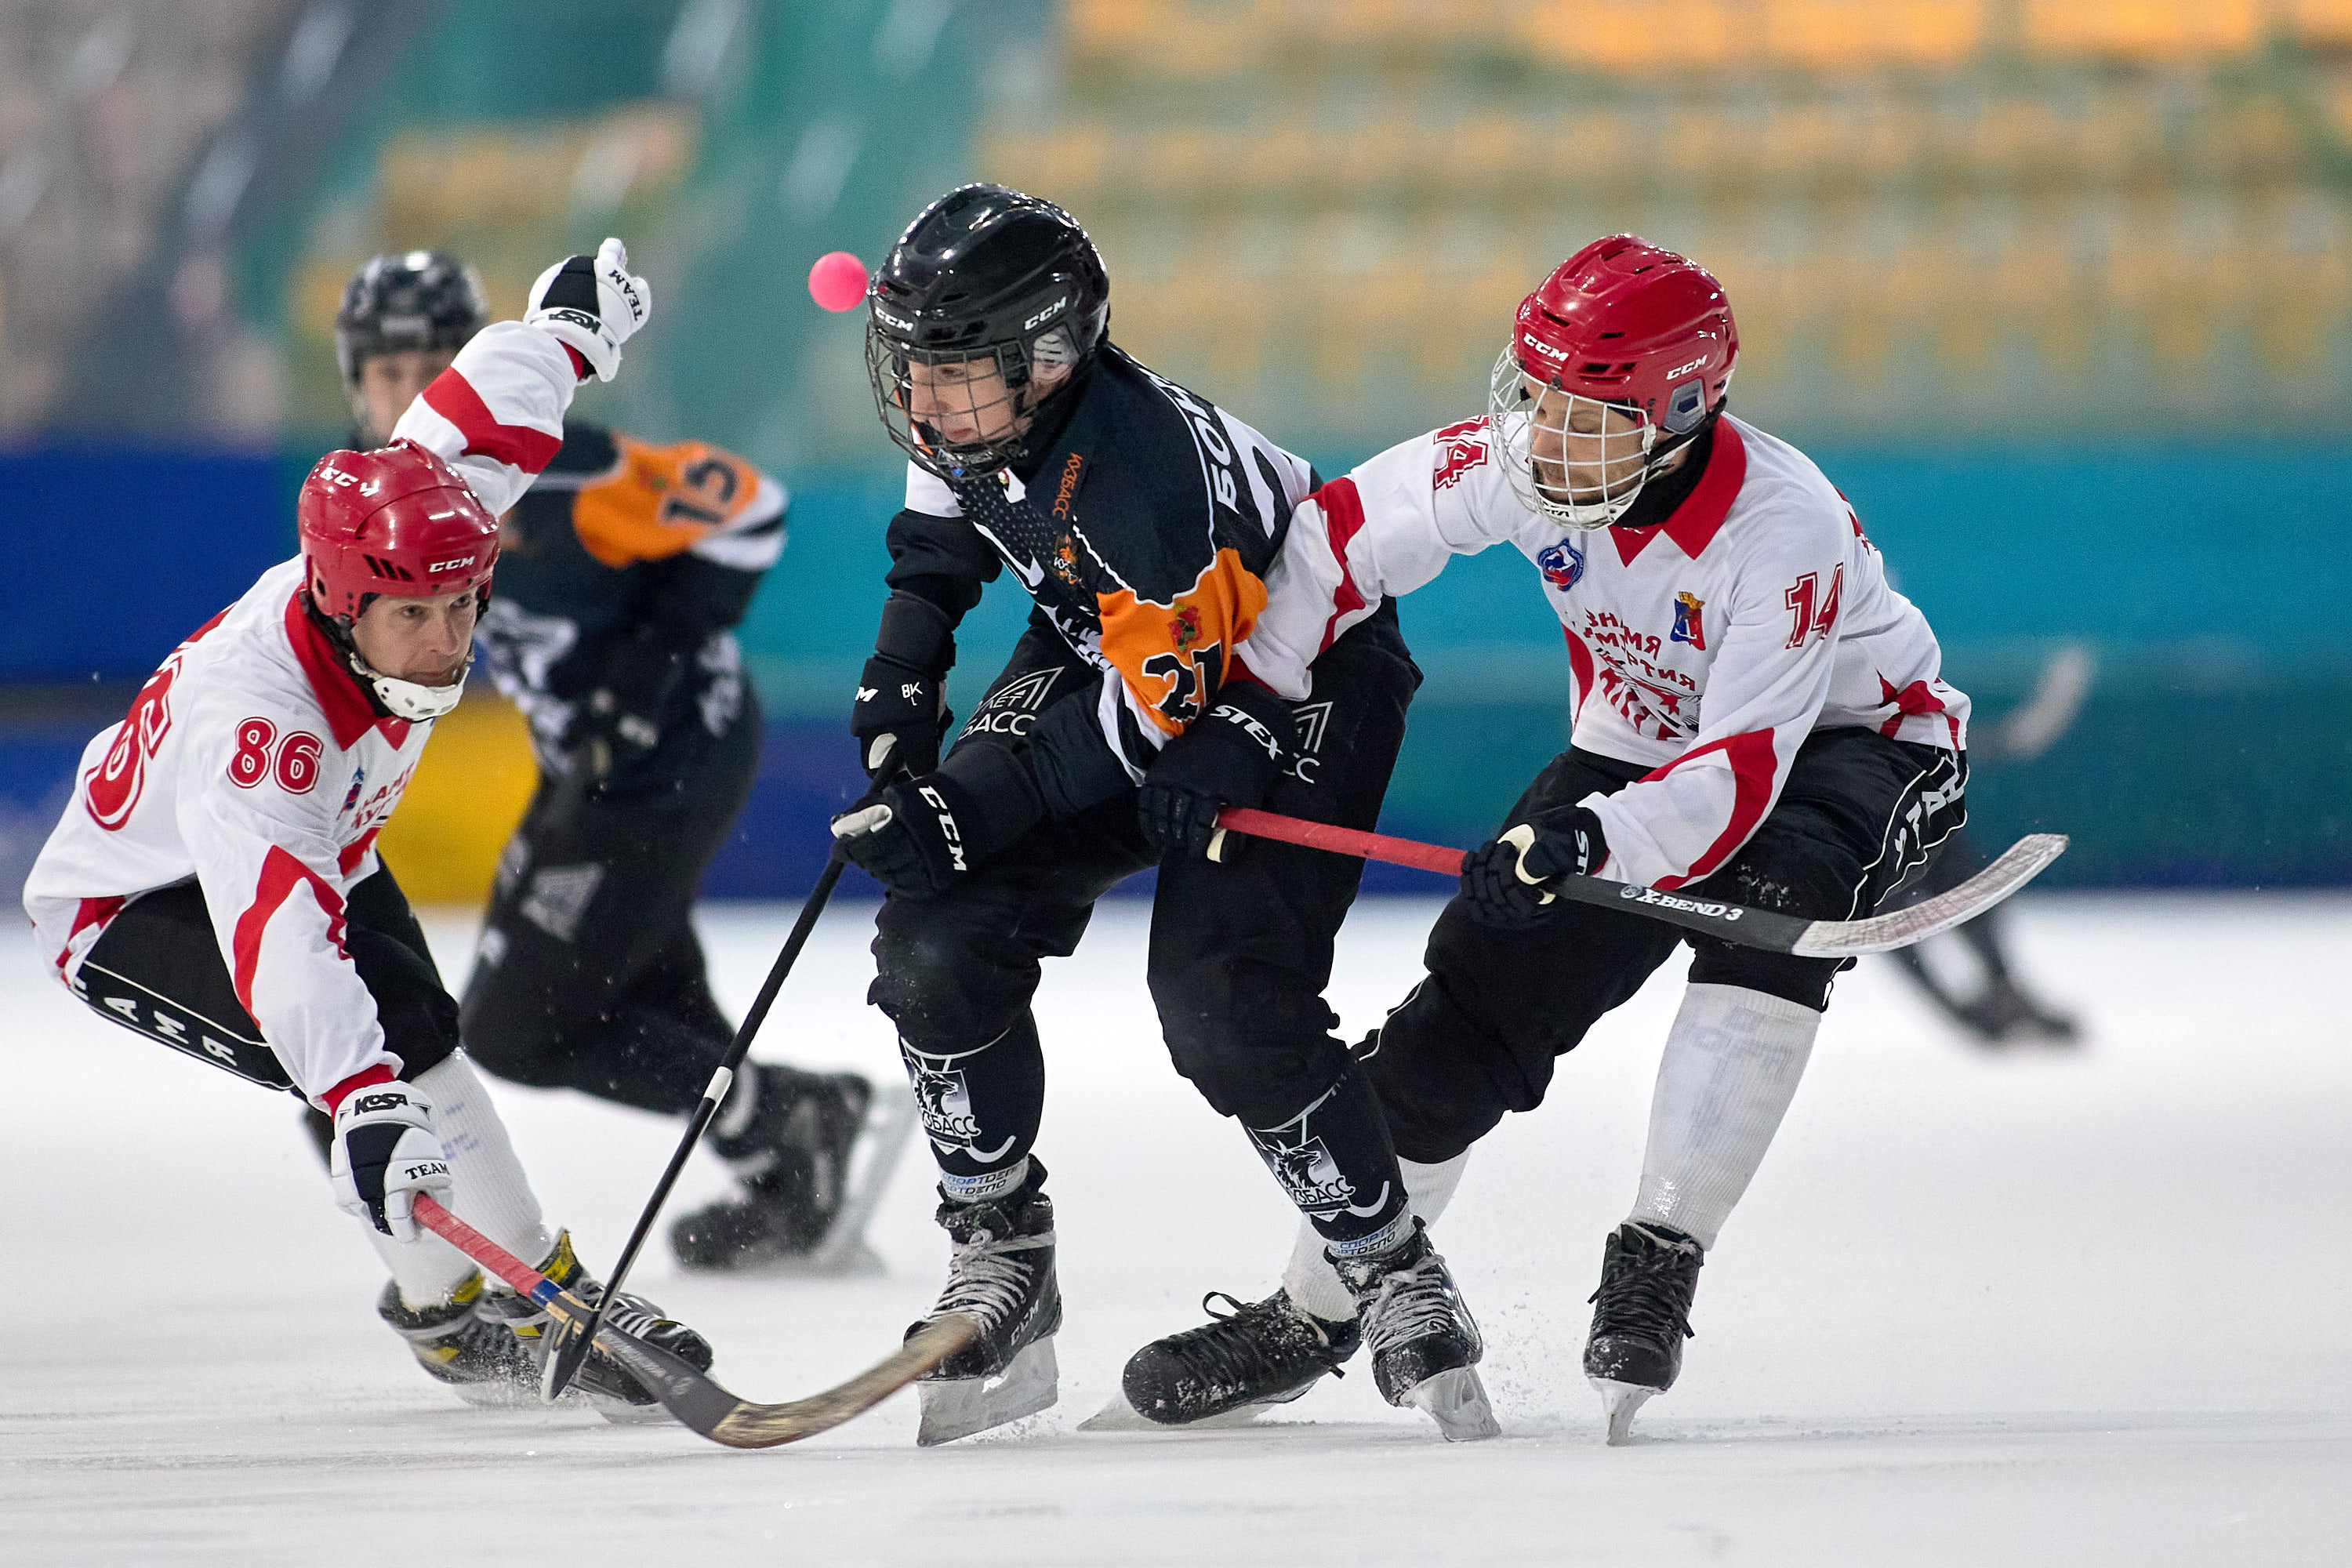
{"x": 1144, "y": 530}
{"x": 620, "y": 545}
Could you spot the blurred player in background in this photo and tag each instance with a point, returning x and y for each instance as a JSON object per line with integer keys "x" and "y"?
{"x": 215, "y": 884}
{"x": 1140, "y": 518}
{"x": 625, "y": 568}
{"x": 1759, "y": 718}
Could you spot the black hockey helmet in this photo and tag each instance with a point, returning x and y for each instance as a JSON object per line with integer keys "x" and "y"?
{"x": 407, "y": 299}
{"x": 985, "y": 276}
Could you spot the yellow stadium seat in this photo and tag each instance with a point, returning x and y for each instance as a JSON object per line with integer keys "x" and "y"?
{"x": 2144, "y": 29}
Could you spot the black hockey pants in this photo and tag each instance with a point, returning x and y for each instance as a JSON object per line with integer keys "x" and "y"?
{"x": 1479, "y": 1035}
{"x": 1240, "y": 951}
{"x": 158, "y": 968}
{"x": 589, "y": 976}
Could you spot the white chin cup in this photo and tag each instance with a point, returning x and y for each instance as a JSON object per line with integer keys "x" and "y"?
{"x": 409, "y": 700}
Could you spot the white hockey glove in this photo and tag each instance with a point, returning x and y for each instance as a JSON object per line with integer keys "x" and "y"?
{"x": 592, "y": 304}
{"x": 385, "y": 1153}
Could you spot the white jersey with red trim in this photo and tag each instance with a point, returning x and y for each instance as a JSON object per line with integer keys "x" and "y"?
{"x": 1707, "y": 647}
{"x": 253, "y": 763}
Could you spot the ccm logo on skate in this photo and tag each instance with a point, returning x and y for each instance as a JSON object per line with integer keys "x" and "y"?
{"x": 1726, "y": 913}
{"x": 367, "y": 1103}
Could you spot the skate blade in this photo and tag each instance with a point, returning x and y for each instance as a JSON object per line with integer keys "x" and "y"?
{"x": 1120, "y": 1415}
{"x": 1456, "y": 1401}
{"x": 1619, "y": 1401}
{"x": 956, "y": 1407}
{"x": 621, "y": 1412}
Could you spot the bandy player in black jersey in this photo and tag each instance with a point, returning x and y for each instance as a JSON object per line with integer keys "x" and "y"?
{"x": 1141, "y": 519}
{"x": 624, "y": 569}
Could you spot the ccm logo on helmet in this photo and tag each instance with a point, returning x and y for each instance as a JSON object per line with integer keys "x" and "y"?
{"x": 1046, "y": 314}
{"x": 439, "y": 566}
{"x": 1686, "y": 369}
{"x": 1541, "y": 347}
{"x": 337, "y": 476}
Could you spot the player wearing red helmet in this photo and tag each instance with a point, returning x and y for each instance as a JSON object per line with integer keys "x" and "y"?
{"x": 627, "y": 566}
{"x": 214, "y": 883}
{"x": 1756, "y": 715}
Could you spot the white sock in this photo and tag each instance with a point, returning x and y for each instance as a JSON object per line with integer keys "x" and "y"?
{"x": 1732, "y": 1063}
{"x": 492, "y": 1192}
{"x": 1312, "y": 1283}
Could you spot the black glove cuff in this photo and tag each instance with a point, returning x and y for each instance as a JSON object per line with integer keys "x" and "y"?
{"x": 1568, "y": 840}
{"x": 916, "y": 633}
{"x": 1244, "y": 720}
{"x": 892, "y": 696}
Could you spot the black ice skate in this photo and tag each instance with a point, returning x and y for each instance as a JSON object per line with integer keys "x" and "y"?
{"x": 813, "y": 1154}
{"x": 1001, "y": 1276}
{"x": 2004, "y": 1015}
{"x": 479, "y": 1357}
{"x": 1425, "y": 1348}
{"x": 613, "y": 1391}
{"x": 1642, "y": 1315}
{"x": 1240, "y": 1362}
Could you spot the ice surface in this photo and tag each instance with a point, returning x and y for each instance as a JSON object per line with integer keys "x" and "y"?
{"x": 2044, "y": 1307}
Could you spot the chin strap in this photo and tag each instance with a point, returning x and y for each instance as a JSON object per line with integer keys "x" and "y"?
{"x": 409, "y": 700}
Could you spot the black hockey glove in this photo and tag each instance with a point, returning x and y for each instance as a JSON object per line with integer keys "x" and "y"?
{"x": 620, "y": 720}
{"x": 1231, "y": 755}
{"x": 1503, "y": 880}
{"x": 901, "y": 711}
{"x": 922, "y": 835}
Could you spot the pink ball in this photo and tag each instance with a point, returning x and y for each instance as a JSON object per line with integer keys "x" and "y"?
{"x": 837, "y": 281}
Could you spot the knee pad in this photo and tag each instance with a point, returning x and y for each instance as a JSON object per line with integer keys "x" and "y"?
{"x": 1260, "y": 1067}
{"x": 936, "y": 978}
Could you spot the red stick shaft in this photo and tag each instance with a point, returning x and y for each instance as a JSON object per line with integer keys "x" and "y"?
{"x": 517, "y": 1273}
{"x": 1437, "y": 858}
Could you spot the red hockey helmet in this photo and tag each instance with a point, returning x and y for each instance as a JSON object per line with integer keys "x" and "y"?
{"x": 396, "y": 523}
{"x": 1615, "y": 361}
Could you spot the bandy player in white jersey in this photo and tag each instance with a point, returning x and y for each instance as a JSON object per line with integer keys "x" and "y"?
{"x": 1757, "y": 717}
{"x": 214, "y": 883}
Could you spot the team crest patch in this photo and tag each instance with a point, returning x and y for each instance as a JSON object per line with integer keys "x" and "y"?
{"x": 1689, "y": 627}
{"x": 1562, "y": 565}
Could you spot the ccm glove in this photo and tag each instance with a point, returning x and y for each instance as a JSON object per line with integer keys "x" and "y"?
{"x": 1505, "y": 880}
{"x": 920, "y": 835}
{"x": 1231, "y": 755}
{"x": 386, "y": 1151}
{"x": 592, "y": 304}
{"x": 901, "y": 711}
